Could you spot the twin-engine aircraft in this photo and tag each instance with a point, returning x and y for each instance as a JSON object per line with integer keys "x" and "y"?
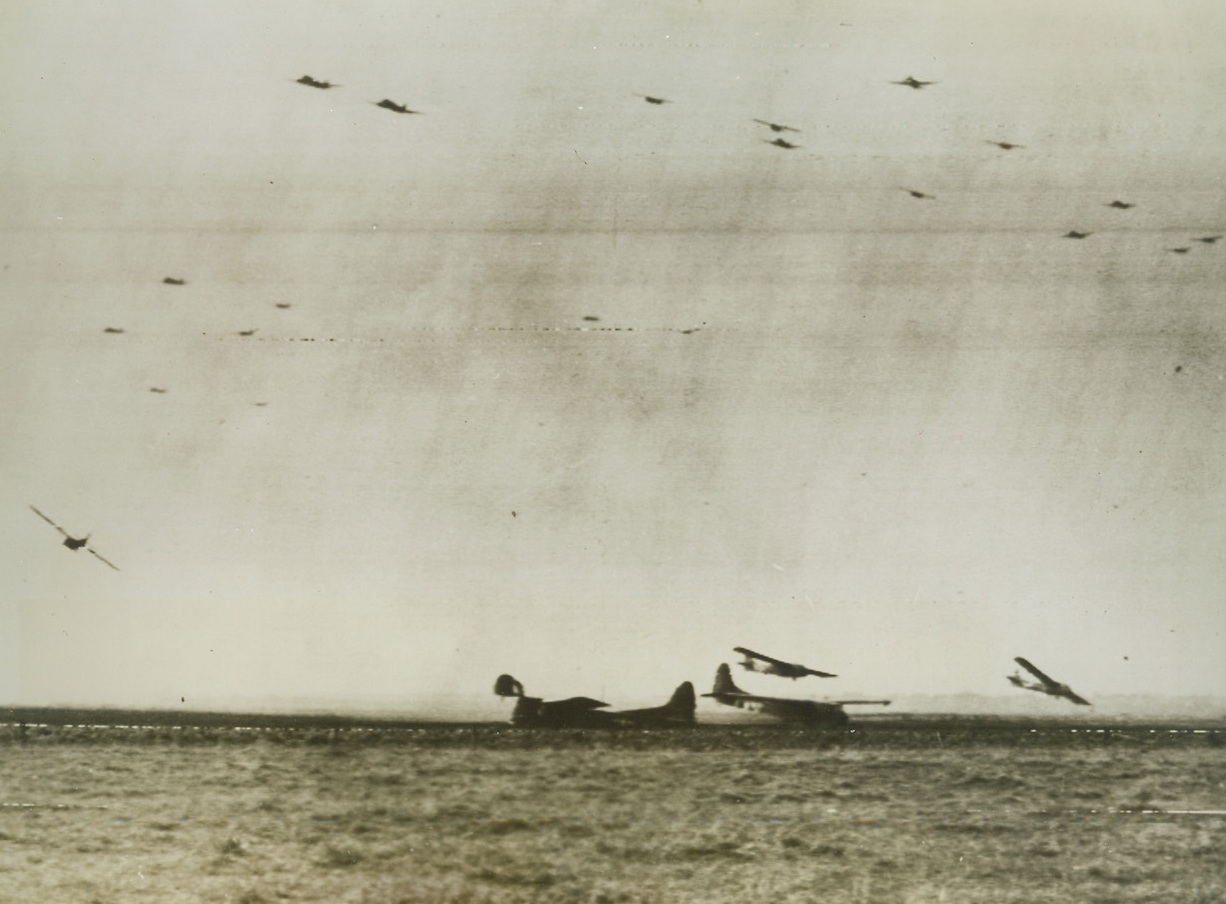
{"x": 1045, "y": 685}
{"x": 584, "y": 712}
{"x": 757, "y": 662}
{"x": 803, "y": 712}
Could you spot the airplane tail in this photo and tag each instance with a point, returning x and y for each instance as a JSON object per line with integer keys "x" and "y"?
{"x": 723, "y": 682}
{"x": 682, "y": 703}
{"x": 506, "y": 686}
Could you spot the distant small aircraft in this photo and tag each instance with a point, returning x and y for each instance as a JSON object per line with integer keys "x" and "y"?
{"x": 323, "y": 86}
{"x": 653, "y": 100}
{"x": 246, "y": 332}
{"x": 1183, "y": 250}
{"x": 282, "y": 305}
{"x": 757, "y": 662}
{"x": 1074, "y": 234}
{"x": 1121, "y": 205}
{"x": 776, "y": 127}
{"x": 112, "y": 329}
{"x": 919, "y": 194}
{"x": 172, "y": 281}
{"x": 584, "y": 712}
{"x": 911, "y": 82}
{"x": 157, "y": 389}
{"x": 780, "y": 143}
{"x": 1209, "y": 239}
{"x": 811, "y": 713}
{"x": 1045, "y": 684}
{"x": 72, "y": 542}
{"x": 1007, "y": 145}
{"x": 394, "y": 107}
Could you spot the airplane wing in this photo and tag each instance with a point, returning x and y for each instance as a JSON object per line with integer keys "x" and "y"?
{"x": 1078, "y": 699}
{"x": 104, "y": 561}
{"x": 1026, "y": 664}
{"x": 574, "y": 703}
{"x": 818, "y": 674}
{"x": 746, "y": 652}
{"x": 49, "y": 521}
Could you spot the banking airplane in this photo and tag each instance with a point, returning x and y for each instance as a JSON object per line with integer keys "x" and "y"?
{"x": 1045, "y": 684}
{"x": 75, "y": 543}
{"x": 804, "y": 712}
{"x": 757, "y": 662}
{"x": 584, "y": 712}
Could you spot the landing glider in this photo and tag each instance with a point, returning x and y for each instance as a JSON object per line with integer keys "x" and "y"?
{"x": 757, "y": 662}
{"x": 912, "y": 82}
{"x": 387, "y": 104}
{"x": 776, "y": 126}
{"x": 803, "y": 712}
{"x": 584, "y": 712}
{"x": 315, "y": 83}
{"x": 1045, "y": 685}
{"x": 72, "y": 542}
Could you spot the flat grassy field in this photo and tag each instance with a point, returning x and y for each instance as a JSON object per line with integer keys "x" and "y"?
{"x": 501, "y": 816}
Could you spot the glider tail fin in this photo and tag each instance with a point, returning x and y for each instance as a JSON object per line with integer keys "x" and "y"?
{"x": 723, "y": 682}
{"x": 682, "y": 703}
{"x": 506, "y": 686}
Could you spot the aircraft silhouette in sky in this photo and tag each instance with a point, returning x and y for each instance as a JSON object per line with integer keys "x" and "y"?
{"x": 74, "y": 543}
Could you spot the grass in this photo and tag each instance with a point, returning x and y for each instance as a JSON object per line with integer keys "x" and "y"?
{"x": 610, "y": 819}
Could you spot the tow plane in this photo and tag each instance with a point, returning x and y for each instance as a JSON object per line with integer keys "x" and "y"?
{"x": 1045, "y": 685}
{"x": 757, "y": 662}
{"x": 584, "y": 712}
{"x": 810, "y": 713}
{"x": 74, "y": 543}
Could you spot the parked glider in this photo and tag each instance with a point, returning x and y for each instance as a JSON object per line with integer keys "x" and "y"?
{"x": 72, "y": 542}
{"x": 757, "y": 662}
{"x": 584, "y": 712}
{"x": 1045, "y": 685}
{"x": 804, "y": 712}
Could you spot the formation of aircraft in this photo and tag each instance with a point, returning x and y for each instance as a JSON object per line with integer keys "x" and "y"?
{"x": 584, "y": 712}
{"x": 74, "y": 543}
{"x": 1045, "y": 685}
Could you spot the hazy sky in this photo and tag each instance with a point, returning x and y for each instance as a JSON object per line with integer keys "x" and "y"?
{"x": 591, "y": 390}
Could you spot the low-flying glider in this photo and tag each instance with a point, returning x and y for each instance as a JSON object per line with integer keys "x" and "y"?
{"x": 911, "y": 82}
{"x": 1045, "y": 685}
{"x": 780, "y": 143}
{"x": 757, "y": 662}
{"x": 1121, "y": 205}
{"x": 393, "y": 106}
{"x": 654, "y": 100}
{"x": 72, "y": 542}
{"x": 775, "y": 126}
{"x": 804, "y": 712}
{"x": 174, "y": 281}
{"x": 1074, "y": 234}
{"x": 314, "y": 83}
{"x": 584, "y": 712}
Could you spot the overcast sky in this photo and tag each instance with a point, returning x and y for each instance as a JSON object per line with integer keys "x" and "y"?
{"x": 591, "y": 390}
